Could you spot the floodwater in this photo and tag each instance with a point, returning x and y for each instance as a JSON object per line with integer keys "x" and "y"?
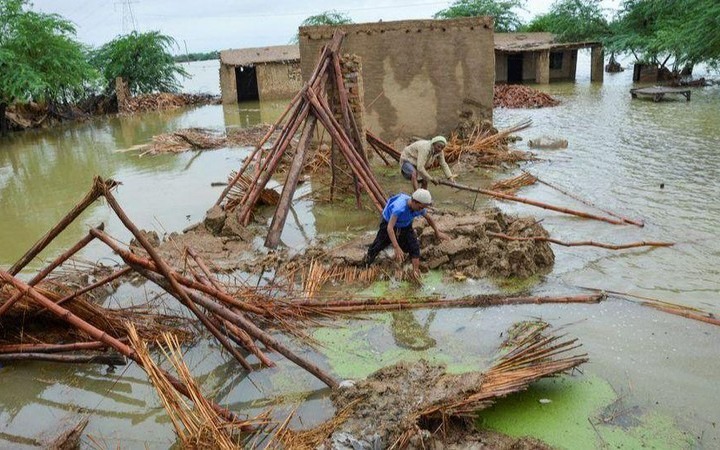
{"x": 655, "y": 161}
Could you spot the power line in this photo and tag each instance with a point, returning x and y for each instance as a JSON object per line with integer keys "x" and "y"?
{"x": 369, "y": 8}
{"x": 128, "y": 18}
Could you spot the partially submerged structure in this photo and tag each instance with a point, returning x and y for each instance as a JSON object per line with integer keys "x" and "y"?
{"x": 419, "y": 76}
{"x": 537, "y": 57}
{"x": 264, "y": 73}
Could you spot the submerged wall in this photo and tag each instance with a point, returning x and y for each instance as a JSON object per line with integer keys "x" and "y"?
{"x": 278, "y": 80}
{"x": 418, "y": 75}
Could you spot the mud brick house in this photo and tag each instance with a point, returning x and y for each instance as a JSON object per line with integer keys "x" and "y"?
{"x": 265, "y": 73}
{"x": 419, "y": 76}
{"x": 536, "y": 57}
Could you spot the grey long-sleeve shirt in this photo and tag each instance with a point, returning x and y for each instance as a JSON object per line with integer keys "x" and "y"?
{"x": 420, "y": 155}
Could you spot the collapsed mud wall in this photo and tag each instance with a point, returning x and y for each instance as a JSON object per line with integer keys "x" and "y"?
{"x": 418, "y": 75}
{"x": 470, "y": 250}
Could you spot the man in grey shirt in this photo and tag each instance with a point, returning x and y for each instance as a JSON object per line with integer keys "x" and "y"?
{"x": 418, "y": 156}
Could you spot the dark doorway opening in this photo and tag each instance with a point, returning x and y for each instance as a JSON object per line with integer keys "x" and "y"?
{"x": 515, "y": 68}
{"x": 246, "y": 83}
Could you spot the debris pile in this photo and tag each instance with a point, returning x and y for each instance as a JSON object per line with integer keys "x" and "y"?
{"x": 470, "y": 251}
{"x": 519, "y": 96}
{"x": 548, "y": 143}
{"x": 195, "y": 139}
{"x": 165, "y": 101}
{"x": 417, "y": 404}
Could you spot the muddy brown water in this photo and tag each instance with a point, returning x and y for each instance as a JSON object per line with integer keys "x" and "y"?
{"x": 620, "y": 152}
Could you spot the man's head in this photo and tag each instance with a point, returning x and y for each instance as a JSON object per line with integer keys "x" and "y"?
{"x": 438, "y": 143}
{"x": 421, "y": 199}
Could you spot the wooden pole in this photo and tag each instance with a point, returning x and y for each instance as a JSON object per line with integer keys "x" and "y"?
{"x": 465, "y": 302}
{"x": 581, "y": 243}
{"x": 586, "y": 202}
{"x": 527, "y": 201}
{"x": 175, "y": 292}
{"x": 110, "y": 360}
{"x": 257, "y": 187}
{"x": 245, "y": 340}
{"x": 90, "y": 197}
{"x": 333, "y": 128}
{"x": 52, "y": 348}
{"x": 278, "y": 220}
{"x": 258, "y": 146}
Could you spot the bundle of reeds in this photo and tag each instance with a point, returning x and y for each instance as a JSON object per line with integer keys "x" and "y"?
{"x": 197, "y": 424}
{"x": 485, "y": 145}
{"x": 511, "y": 185}
{"x": 242, "y": 185}
{"x": 183, "y": 140}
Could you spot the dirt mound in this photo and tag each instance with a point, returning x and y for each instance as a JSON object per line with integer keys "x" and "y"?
{"x": 518, "y": 96}
{"x": 470, "y": 251}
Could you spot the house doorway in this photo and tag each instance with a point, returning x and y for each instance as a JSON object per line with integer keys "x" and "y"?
{"x": 246, "y": 83}
{"x": 515, "y": 68}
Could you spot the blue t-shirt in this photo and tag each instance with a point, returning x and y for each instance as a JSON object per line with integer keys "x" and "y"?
{"x": 397, "y": 205}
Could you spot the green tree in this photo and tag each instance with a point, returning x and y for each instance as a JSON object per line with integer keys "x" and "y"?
{"x": 573, "y": 21}
{"x": 39, "y": 58}
{"x": 331, "y": 17}
{"x": 503, "y": 12}
{"x": 671, "y": 33}
{"x": 143, "y": 60}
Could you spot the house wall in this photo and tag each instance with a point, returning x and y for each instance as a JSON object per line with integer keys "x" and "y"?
{"x": 500, "y": 67}
{"x": 530, "y": 58}
{"x": 278, "y": 80}
{"x": 569, "y": 64}
{"x": 228, "y": 85}
{"x": 418, "y": 75}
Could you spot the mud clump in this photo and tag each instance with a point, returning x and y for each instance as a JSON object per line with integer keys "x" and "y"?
{"x": 470, "y": 251}
{"x": 382, "y": 404}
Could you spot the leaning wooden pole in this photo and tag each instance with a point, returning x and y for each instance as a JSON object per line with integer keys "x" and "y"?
{"x": 514, "y": 198}
{"x": 94, "y": 193}
{"x": 581, "y": 243}
{"x": 298, "y": 162}
{"x": 258, "y": 147}
{"x": 222, "y": 339}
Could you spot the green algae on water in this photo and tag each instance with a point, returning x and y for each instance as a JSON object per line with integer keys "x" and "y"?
{"x": 575, "y": 418}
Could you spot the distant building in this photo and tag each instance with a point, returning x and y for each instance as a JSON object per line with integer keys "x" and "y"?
{"x": 536, "y": 57}
{"x": 264, "y": 73}
{"x": 420, "y": 77}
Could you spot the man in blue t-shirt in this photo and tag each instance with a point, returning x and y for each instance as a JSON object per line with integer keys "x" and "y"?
{"x": 396, "y": 227}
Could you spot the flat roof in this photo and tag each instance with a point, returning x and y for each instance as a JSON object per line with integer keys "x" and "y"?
{"x": 521, "y": 42}
{"x": 259, "y": 55}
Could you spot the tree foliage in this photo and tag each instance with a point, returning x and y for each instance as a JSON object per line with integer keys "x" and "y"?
{"x": 143, "y": 60}
{"x": 503, "y": 12}
{"x": 39, "y": 56}
{"x": 331, "y": 17}
{"x": 573, "y": 21}
{"x": 666, "y": 32}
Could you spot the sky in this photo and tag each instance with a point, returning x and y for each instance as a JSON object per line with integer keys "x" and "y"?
{"x": 205, "y": 25}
